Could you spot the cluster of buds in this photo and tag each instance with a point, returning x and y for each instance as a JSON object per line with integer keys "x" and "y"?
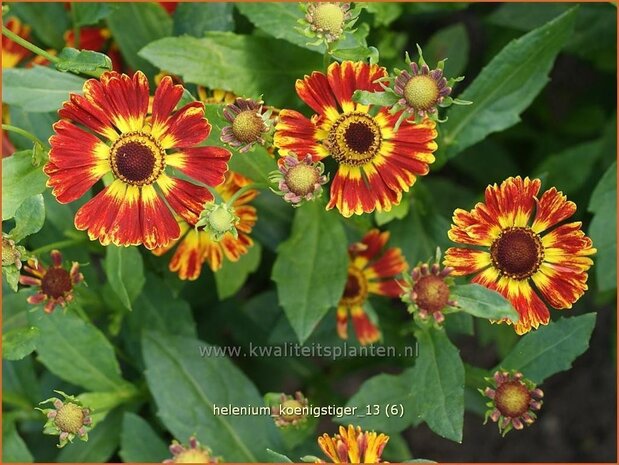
{"x": 193, "y": 452}
{"x": 67, "y": 420}
{"x": 327, "y": 21}
{"x": 298, "y": 180}
{"x": 289, "y": 411}
{"x": 513, "y": 400}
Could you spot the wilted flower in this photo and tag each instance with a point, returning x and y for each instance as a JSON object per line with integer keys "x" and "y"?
{"x": 327, "y": 20}
{"x": 191, "y": 453}
{"x": 298, "y": 180}
{"x": 248, "y": 123}
{"x": 67, "y": 420}
{"x": 289, "y": 410}
{"x": 513, "y": 400}
{"x": 55, "y": 283}
{"x": 11, "y": 253}
{"x": 352, "y": 445}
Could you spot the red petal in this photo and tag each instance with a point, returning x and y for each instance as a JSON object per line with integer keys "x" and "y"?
{"x": 350, "y": 76}
{"x": 165, "y": 100}
{"x": 466, "y": 261}
{"x": 159, "y": 227}
{"x": 316, "y": 92}
{"x": 552, "y": 208}
{"x": 512, "y": 202}
{"x": 365, "y": 330}
{"x": 204, "y": 164}
{"x": 186, "y": 127}
{"x": 295, "y": 133}
{"x": 185, "y": 198}
{"x": 187, "y": 260}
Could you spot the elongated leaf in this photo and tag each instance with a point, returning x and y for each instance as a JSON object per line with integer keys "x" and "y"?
{"x": 451, "y": 42}
{"x": 48, "y": 21}
{"x": 134, "y": 25}
{"x": 603, "y": 229}
{"x": 29, "y": 218}
{"x": 482, "y": 302}
{"x": 242, "y": 64}
{"x": 18, "y": 343}
{"x": 195, "y": 19}
{"x": 14, "y": 448}
{"x": 20, "y": 181}
{"x": 506, "y": 86}
{"x": 552, "y": 348}
{"x": 38, "y": 89}
{"x": 438, "y": 384}
{"x": 125, "y": 272}
{"x": 76, "y": 352}
{"x": 19, "y": 383}
{"x": 311, "y": 268}
{"x": 175, "y": 370}
{"x": 276, "y": 457}
{"x": 232, "y": 275}
{"x": 91, "y": 13}
{"x": 80, "y": 61}
{"x": 374, "y": 397}
{"x": 139, "y": 442}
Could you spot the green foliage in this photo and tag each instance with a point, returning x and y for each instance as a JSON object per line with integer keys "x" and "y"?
{"x": 91, "y": 13}
{"x": 49, "y": 21}
{"x": 451, "y": 42}
{"x": 125, "y": 271}
{"x": 195, "y": 19}
{"x": 29, "y": 218}
{"x": 18, "y": 343}
{"x": 82, "y": 61}
{"x": 310, "y": 269}
{"x": 20, "y": 181}
{"x": 482, "y": 302}
{"x": 14, "y": 449}
{"x": 233, "y": 275}
{"x": 138, "y": 441}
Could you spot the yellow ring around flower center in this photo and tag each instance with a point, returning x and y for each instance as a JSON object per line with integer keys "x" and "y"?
{"x": 137, "y": 158}
{"x": 356, "y": 290}
{"x": 354, "y": 139}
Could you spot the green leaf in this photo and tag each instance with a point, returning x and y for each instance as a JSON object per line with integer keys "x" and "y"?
{"x": 135, "y": 25}
{"x": 255, "y": 165}
{"x": 384, "y": 13}
{"x": 174, "y": 370}
{"x": 482, "y": 302}
{"x": 76, "y": 351}
{"x": 397, "y": 212}
{"x": 82, "y": 61}
{"x": 38, "y": 124}
{"x": 381, "y": 99}
{"x": 551, "y": 349}
{"x": 11, "y": 276}
{"x": 438, "y": 384}
{"x": 276, "y": 457}
{"x": 102, "y": 443}
{"x": 506, "y": 86}
{"x": 19, "y": 383}
{"x": 311, "y": 267}
{"x": 38, "y": 89}
{"x": 603, "y": 229}
{"x": 48, "y": 21}
{"x": 20, "y": 342}
{"x": 101, "y": 403}
{"x": 20, "y": 181}
{"x": 124, "y": 269}
{"x": 195, "y": 19}
{"x": 29, "y": 218}
{"x": 451, "y": 42}
{"x": 238, "y": 63}
{"x": 139, "y": 443}
{"x": 14, "y": 448}
{"x": 232, "y": 275}
{"x": 91, "y": 13}
{"x": 383, "y": 391}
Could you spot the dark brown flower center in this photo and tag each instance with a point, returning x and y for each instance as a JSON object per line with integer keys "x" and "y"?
{"x": 356, "y": 289}
{"x": 354, "y": 139}
{"x": 517, "y": 252}
{"x": 56, "y": 282}
{"x": 248, "y": 126}
{"x": 512, "y": 399}
{"x": 432, "y": 293}
{"x": 137, "y": 158}
{"x": 301, "y": 179}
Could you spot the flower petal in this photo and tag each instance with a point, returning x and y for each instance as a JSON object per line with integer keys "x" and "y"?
{"x": 559, "y": 286}
{"x": 347, "y": 77}
{"x": 512, "y": 202}
{"x": 552, "y": 208}
{"x": 466, "y": 261}
{"x": 365, "y": 330}
{"x": 186, "y": 127}
{"x": 165, "y": 100}
{"x": 79, "y": 109}
{"x": 185, "y": 198}
{"x": 295, "y": 133}
{"x": 158, "y": 225}
{"x": 205, "y": 164}
{"x": 316, "y": 92}
{"x": 187, "y": 259}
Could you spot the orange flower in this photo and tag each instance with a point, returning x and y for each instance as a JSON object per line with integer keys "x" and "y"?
{"x": 352, "y": 445}
{"x": 517, "y": 252}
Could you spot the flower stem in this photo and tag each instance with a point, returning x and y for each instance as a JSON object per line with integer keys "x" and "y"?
{"x": 242, "y": 190}
{"x": 58, "y": 245}
{"x": 27, "y": 45}
{"x": 22, "y": 132}
{"x": 327, "y": 57}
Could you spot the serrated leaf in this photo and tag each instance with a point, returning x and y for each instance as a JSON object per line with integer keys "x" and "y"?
{"x": 76, "y": 351}
{"x": 195, "y": 19}
{"x": 232, "y": 275}
{"x": 20, "y": 181}
{"x": 482, "y": 302}
{"x": 29, "y": 218}
{"x": 124, "y": 269}
{"x": 551, "y": 349}
{"x": 311, "y": 267}
{"x": 438, "y": 384}
{"x": 238, "y": 63}
{"x": 506, "y": 86}
{"x": 18, "y": 343}
{"x": 175, "y": 370}
{"x": 82, "y": 61}
{"x": 603, "y": 229}
{"x": 38, "y": 89}
{"x": 139, "y": 443}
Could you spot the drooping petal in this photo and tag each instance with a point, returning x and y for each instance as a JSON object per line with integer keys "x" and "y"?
{"x": 351, "y": 194}
{"x": 552, "y": 208}
{"x": 205, "y": 164}
{"x": 342, "y": 322}
{"x": 390, "y": 264}
{"x": 188, "y": 257}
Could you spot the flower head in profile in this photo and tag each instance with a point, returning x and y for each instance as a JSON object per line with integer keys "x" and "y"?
{"x": 513, "y": 400}
{"x": 352, "y": 445}
{"x": 372, "y": 269}
{"x": 327, "y": 21}
{"x": 215, "y": 96}
{"x": 375, "y": 163}
{"x": 199, "y": 245}
{"x": 68, "y": 419}
{"x": 193, "y": 452}
{"x": 518, "y": 242}
{"x": 54, "y": 284}
{"x": 249, "y": 122}
{"x": 289, "y": 411}
{"x": 13, "y": 53}
{"x": 427, "y": 291}
{"x": 110, "y": 130}
{"x": 298, "y": 180}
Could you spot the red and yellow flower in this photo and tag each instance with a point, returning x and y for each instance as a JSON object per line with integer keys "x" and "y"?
{"x": 110, "y": 131}
{"x": 13, "y": 53}
{"x": 197, "y": 246}
{"x": 376, "y": 163}
{"x": 372, "y": 270}
{"x": 55, "y": 284}
{"x": 518, "y": 251}
{"x": 352, "y": 445}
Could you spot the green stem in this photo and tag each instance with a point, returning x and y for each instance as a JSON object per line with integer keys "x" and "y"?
{"x": 58, "y": 245}
{"x": 22, "y": 132}
{"x": 242, "y": 190}
{"x": 27, "y": 45}
{"x": 327, "y": 57}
